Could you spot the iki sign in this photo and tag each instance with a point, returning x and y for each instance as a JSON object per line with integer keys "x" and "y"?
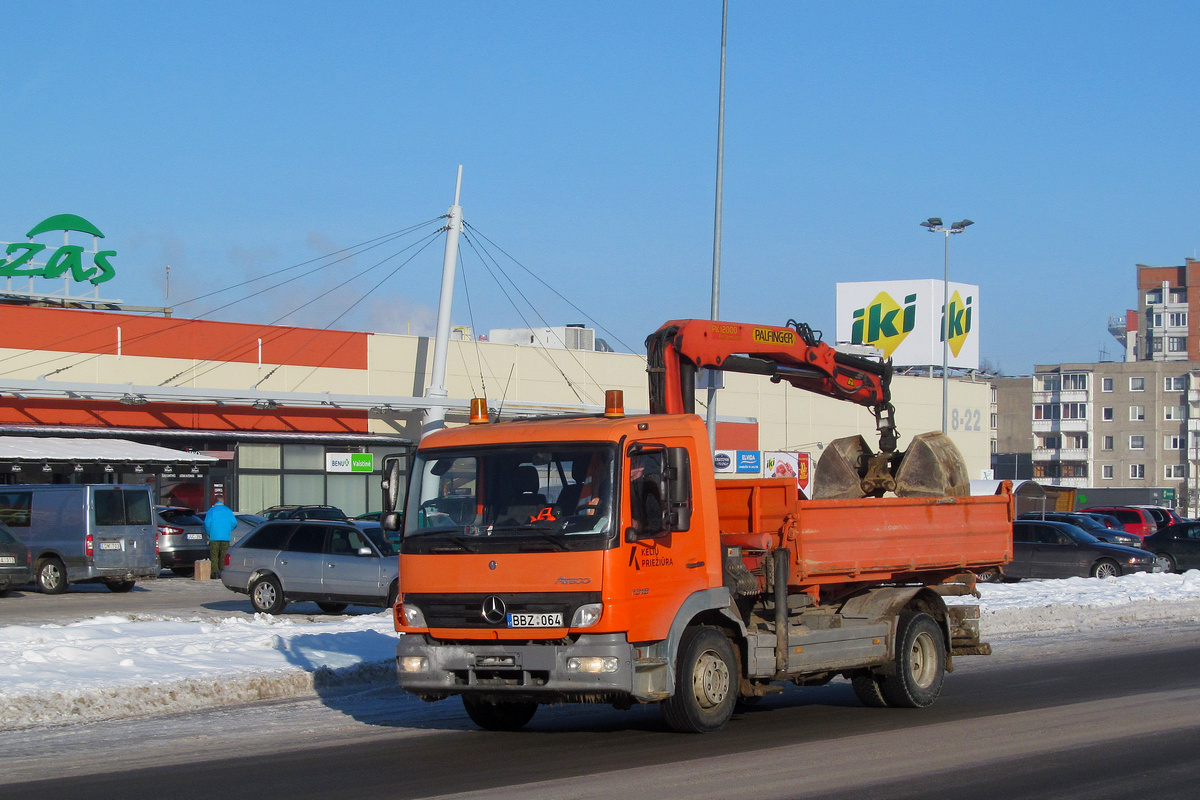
{"x": 67, "y": 258}
{"x": 910, "y": 331}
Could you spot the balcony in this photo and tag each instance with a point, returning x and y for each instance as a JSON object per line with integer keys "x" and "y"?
{"x": 1065, "y": 396}
{"x": 1071, "y": 454}
{"x": 1070, "y": 483}
{"x": 1064, "y": 425}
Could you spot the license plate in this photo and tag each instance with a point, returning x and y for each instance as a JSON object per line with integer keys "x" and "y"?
{"x": 195, "y": 536}
{"x": 8, "y": 559}
{"x": 110, "y": 545}
{"x": 535, "y": 620}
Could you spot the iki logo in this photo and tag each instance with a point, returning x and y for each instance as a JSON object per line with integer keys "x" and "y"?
{"x": 884, "y": 323}
{"x": 959, "y": 321}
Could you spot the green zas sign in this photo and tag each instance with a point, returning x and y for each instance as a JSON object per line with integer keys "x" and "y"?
{"x": 19, "y": 262}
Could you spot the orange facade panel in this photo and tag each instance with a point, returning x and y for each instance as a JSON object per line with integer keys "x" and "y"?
{"x": 180, "y": 416}
{"x": 73, "y": 331}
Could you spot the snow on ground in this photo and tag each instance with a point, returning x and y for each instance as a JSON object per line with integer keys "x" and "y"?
{"x": 116, "y": 666}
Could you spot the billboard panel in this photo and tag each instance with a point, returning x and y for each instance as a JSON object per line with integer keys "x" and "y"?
{"x": 904, "y": 319}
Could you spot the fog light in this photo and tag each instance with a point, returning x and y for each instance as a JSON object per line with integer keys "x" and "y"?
{"x": 414, "y": 664}
{"x": 413, "y": 616}
{"x": 587, "y": 616}
{"x": 593, "y": 664}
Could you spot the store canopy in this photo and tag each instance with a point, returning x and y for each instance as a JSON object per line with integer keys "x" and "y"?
{"x": 114, "y": 452}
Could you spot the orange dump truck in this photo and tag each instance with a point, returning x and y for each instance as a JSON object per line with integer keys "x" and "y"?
{"x": 598, "y": 559}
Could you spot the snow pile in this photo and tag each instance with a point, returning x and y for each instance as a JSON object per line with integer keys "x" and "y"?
{"x": 118, "y": 666}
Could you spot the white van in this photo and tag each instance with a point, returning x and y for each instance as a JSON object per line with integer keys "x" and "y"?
{"x": 84, "y": 532}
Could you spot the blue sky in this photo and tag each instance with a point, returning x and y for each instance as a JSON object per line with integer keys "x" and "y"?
{"x": 232, "y": 140}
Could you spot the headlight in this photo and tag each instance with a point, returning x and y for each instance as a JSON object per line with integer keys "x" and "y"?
{"x": 413, "y": 617}
{"x": 414, "y": 664}
{"x": 593, "y": 664}
{"x": 586, "y": 616}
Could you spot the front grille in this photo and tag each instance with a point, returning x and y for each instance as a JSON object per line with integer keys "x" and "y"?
{"x": 466, "y": 610}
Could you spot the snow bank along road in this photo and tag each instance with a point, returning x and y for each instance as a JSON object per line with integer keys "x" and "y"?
{"x": 114, "y": 665}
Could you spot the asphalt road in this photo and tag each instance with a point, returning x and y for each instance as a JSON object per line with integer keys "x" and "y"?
{"x": 1116, "y": 716}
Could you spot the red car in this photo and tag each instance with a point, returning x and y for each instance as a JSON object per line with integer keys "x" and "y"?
{"x": 1137, "y": 521}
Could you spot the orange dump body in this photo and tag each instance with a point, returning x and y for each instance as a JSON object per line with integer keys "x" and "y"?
{"x": 868, "y": 539}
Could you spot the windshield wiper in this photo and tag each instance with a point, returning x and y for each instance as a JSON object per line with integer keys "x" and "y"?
{"x": 461, "y": 541}
{"x": 549, "y": 537}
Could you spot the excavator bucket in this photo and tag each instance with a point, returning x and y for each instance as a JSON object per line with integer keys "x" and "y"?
{"x": 932, "y": 467}
{"x": 838, "y": 475}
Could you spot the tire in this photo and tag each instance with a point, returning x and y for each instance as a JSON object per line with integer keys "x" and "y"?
{"x": 1169, "y": 562}
{"x": 920, "y": 663}
{"x": 120, "y": 587}
{"x": 988, "y": 576}
{"x": 51, "y": 576}
{"x": 502, "y": 715}
{"x": 869, "y": 690}
{"x": 184, "y": 572}
{"x": 1105, "y": 568}
{"x": 706, "y": 682}
{"x": 332, "y": 608}
{"x": 266, "y": 595}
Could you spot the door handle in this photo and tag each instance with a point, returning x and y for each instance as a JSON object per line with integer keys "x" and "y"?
{"x": 695, "y": 564}
{"x": 283, "y": 563}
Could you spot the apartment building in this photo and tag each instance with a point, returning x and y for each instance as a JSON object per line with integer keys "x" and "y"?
{"x": 1118, "y": 425}
{"x": 1168, "y": 299}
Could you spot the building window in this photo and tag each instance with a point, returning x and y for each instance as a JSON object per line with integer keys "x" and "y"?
{"x": 1137, "y": 472}
{"x": 1156, "y": 320}
{"x": 1108, "y": 443}
{"x": 1177, "y": 319}
{"x": 1106, "y": 384}
{"x": 1074, "y": 411}
{"x": 995, "y": 447}
{"x": 1154, "y": 296}
{"x": 1173, "y": 442}
{"x": 1046, "y": 411}
{"x": 1177, "y": 295}
{"x": 1050, "y": 383}
{"x": 1137, "y": 413}
{"x": 1178, "y": 384}
{"x": 1174, "y": 471}
{"x": 1137, "y": 442}
{"x": 1176, "y": 344}
{"x": 1174, "y": 412}
{"x": 1075, "y": 382}
{"x": 1156, "y": 344}
{"x": 1074, "y": 471}
{"x": 1079, "y": 441}
{"x": 1106, "y": 415}
{"x": 995, "y": 421}
{"x": 1106, "y": 472}
{"x": 993, "y": 394}
{"x": 1051, "y": 442}
{"x": 1137, "y": 384}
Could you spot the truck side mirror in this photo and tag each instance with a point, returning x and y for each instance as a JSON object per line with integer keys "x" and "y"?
{"x": 393, "y": 472}
{"x": 679, "y": 488}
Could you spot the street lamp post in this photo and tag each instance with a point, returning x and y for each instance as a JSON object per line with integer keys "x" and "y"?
{"x": 934, "y": 225}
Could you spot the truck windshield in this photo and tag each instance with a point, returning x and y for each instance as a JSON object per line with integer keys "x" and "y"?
{"x": 511, "y": 499}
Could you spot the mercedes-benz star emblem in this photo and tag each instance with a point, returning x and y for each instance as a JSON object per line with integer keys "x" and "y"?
{"x": 491, "y": 565}
{"x": 493, "y": 610}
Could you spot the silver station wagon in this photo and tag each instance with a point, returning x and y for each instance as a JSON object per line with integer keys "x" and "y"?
{"x": 334, "y": 564}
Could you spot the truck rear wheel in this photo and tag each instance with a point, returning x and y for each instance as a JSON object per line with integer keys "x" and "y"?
{"x": 503, "y": 715}
{"x": 869, "y": 689}
{"x": 706, "y": 682}
{"x": 920, "y": 663}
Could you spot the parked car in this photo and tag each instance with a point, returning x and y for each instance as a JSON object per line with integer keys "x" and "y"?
{"x": 1088, "y": 523}
{"x": 245, "y": 524}
{"x": 303, "y": 512}
{"x": 1107, "y": 520}
{"x": 182, "y": 540}
{"x": 79, "y": 532}
{"x": 16, "y": 566}
{"x": 370, "y": 516}
{"x": 333, "y": 563}
{"x": 1047, "y": 549}
{"x": 1163, "y": 516}
{"x": 1177, "y": 545}
{"x": 1137, "y": 521}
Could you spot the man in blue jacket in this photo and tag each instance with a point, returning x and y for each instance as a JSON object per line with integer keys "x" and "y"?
{"x": 219, "y": 522}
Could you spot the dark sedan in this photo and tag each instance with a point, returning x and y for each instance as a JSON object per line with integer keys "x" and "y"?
{"x": 1090, "y": 524}
{"x": 1046, "y": 549}
{"x": 1177, "y": 545}
{"x": 16, "y": 567}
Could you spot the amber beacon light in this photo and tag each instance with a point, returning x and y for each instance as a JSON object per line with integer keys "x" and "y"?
{"x": 479, "y": 412}
{"x": 614, "y": 403}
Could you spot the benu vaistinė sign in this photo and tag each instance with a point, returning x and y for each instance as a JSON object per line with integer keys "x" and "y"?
{"x": 64, "y": 259}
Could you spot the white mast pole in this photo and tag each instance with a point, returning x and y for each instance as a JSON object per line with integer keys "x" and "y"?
{"x": 716, "y": 271}
{"x": 435, "y": 415}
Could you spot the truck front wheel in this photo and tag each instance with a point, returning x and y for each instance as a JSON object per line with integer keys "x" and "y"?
{"x": 706, "y": 682}
{"x": 501, "y": 715}
{"x": 920, "y": 664}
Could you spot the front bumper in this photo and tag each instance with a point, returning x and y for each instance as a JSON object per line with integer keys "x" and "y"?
{"x": 516, "y": 670}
